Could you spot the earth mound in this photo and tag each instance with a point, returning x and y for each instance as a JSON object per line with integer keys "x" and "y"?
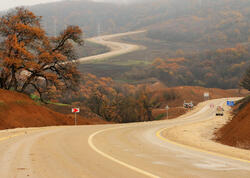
{"x": 18, "y": 110}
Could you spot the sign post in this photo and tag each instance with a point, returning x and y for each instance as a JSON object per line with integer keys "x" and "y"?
{"x": 167, "y": 108}
{"x": 75, "y": 110}
{"x": 75, "y": 119}
{"x": 206, "y": 95}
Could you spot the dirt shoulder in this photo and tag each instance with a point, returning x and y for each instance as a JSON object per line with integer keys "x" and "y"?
{"x": 201, "y": 134}
{"x": 237, "y": 131}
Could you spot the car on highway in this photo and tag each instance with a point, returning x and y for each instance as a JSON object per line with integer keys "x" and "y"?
{"x": 219, "y": 111}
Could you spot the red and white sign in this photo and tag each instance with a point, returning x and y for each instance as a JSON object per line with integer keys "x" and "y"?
{"x": 75, "y": 110}
{"x": 211, "y": 105}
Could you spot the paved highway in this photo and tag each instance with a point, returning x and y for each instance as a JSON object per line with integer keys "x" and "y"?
{"x": 124, "y": 150}
{"x": 116, "y": 48}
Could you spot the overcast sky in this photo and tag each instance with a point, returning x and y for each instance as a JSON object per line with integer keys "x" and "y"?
{"x": 7, "y": 4}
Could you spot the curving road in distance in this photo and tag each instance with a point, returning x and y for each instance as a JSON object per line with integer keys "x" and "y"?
{"x": 116, "y": 48}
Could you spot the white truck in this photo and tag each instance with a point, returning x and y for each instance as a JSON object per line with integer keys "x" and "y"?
{"x": 188, "y": 105}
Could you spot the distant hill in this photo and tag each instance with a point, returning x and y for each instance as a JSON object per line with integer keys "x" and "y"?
{"x": 211, "y": 21}
{"x": 206, "y": 33}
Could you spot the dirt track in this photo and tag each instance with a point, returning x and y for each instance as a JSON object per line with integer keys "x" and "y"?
{"x": 126, "y": 150}
{"x": 116, "y": 48}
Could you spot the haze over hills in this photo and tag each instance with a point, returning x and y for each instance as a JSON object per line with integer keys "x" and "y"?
{"x": 212, "y": 36}
{"x": 192, "y": 29}
{"x": 168, "y": 20}
{"x": 123, "y": 1}
{"x": 210, "y": 22}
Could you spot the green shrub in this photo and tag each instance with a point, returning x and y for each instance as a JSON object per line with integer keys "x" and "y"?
{"x": 160, "y": 116}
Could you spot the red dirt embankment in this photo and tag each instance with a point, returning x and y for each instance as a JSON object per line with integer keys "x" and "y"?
{"x": 237, "y": 131}
{"x": 18, "y": 110}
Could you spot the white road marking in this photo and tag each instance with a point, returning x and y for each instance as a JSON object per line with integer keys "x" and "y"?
{"x": 90, "y": 142}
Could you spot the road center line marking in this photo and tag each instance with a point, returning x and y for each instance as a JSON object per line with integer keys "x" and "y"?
{"x": 159, "y": 135}
{"x": 21, "y": 133}
{"x": 10, "y": 136}
{"x": 90, "y": 142}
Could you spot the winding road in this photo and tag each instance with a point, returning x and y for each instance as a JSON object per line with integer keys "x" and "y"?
{"x": 124, "y": 150}
{"x": 116, "y": 48}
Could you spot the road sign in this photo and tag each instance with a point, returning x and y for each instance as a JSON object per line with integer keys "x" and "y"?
{"x": 167, "y": 108}
{"x": 230, "y": 103}
{"x": 75, "y": 110}
{"x": 206, "y": 94}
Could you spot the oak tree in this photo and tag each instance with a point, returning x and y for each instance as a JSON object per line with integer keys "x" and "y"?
{"x": 33, "y": 61}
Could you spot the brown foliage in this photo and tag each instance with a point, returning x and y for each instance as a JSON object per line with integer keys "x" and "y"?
{"x": 114, "y": 101}
{"x": 32, "y": 61}
{"x": 221, "y": 68}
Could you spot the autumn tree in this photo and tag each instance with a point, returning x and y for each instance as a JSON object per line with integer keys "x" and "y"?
{"x": 32, "y": 61}
{"x": 117, "y": 102}
{"x": 245, "y": 82}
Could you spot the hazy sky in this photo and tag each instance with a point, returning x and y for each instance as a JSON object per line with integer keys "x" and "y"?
{"x": 7, "y": 4}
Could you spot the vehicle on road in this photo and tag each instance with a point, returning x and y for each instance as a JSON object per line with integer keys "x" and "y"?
{"x": 188, "y": 105}
{"x": 219, "y": 111}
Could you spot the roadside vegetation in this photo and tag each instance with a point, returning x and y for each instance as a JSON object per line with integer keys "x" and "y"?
{"x": 31, "y": 61}
{"x": 43, "y": 67}
{"x": 219, "y": 69}
{"x": 212, "y": 37}
{"x": 114, "y": 101}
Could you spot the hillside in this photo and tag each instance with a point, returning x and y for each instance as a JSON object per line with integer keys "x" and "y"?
{"x": 188, "y": 94}
{"x": 212, "y": 37}
{"x": 236, "y": 132}
{"x": 18, "y": 110}
{"x": 206, "y": 21}
{"x": 221, "y": 68}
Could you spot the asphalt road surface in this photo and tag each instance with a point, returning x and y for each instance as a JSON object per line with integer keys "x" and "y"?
{"x": 106, "y": 151}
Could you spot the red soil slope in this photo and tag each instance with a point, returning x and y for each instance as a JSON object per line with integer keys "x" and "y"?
{"x": 18, "y": 110}
{"x": 237, "y": 132}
